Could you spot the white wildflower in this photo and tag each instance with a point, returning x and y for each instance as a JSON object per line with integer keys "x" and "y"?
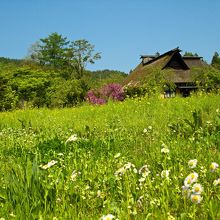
{"x": 117, "y": 155}
{"x": 72, "y": 138}
{"x": 107, "y": 217}
{"x": 140, "y": 201}
{"x": 197, "y": 188}
{"x": 135, "y": 170}
{"x": 144, "y": 170}
{"x": 145, "y": 130}
{"x": 87, "y": 187}
{"x": 99, "y": 194}
{"x": 74, "y": 175}
{"x": 196, "y": 198}
{"x": 128, "y": 166}
{"x": 142, "y": 179}
{"x": 165, "y": 174}
{"x": 150, "y": 127}
{"x": 203, "y": 170}
{"x": 216, "y": 182}
{"x": 12, "y": 215}
{"x": 120, "y": 171}
{"x": 48, "y": 165}
{"x": 192, "y": 163}
{"x": 165, "y": 150}
{"x": 191, "y": 178}
{"x": 170, "y": 217}
{"x": 213, "y": 166}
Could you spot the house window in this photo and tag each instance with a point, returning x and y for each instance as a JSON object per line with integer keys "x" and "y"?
{"x": 169, "y": 94}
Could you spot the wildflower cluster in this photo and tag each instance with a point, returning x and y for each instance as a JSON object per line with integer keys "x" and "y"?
{"x": 144, "y": 172}
{"x": 149, "y": 129}
{"x": 74, "y": 175}
{"x": 213, "y": 167}
{"x": 193, "y": 190}
{"x": 127, "y": 167}
{"x": 165, "y": 149}
{"x": 48, "y": 165}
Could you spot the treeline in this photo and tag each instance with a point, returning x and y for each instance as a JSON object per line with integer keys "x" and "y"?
{"x": 30, "y": 85}
{"x": 53, "y": 75}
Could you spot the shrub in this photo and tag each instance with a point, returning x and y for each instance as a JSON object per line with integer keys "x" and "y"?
{"x": 111, "y": 91}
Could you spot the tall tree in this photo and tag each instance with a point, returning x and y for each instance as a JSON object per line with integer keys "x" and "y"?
{"x": 51, "y": 50}
{"x": 56, "y": 51}
{"x": 216, "y": 61}
{"x": 82, "y": 53}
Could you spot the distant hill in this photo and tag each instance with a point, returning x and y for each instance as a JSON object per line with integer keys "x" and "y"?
{"x": 93, "y": 78}
{"x": 100, "y": 77}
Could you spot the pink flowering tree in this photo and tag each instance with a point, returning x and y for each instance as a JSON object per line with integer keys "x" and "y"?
{"x": 111, "y": 91}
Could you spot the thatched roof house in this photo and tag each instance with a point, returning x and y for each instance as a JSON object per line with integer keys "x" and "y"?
{"x": 181, "y": 67}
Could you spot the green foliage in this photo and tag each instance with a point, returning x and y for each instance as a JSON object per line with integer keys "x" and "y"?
{"x": 155, "y": 83}
{"x": 216, "y": 61}
{"x": 190, "y": 54}
{"x": 25, "y": 84}
{"x": 82, "y": 53}
{"x": 68, "y": 57}
{"x": 99, "y": 78}
{"x": 207, "y": 78}
{"x": 7, "y": 95}
{"x": 67, "y": 93}
{"x": 30, "y": 86}
{"x": 50, "y": 51}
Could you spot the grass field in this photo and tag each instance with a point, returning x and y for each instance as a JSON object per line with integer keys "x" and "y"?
{"x": 128, "y": 159}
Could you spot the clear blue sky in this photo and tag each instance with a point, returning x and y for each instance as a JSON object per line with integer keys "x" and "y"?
{"x": 121, "y": 30}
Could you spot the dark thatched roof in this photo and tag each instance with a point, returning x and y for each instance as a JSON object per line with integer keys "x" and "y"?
{"x": 180, "y": 66}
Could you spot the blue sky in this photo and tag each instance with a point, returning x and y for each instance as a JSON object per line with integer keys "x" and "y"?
{"x": 121, "y": 30}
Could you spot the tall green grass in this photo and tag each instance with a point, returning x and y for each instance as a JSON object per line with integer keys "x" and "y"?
{"x": 98, "y": 171}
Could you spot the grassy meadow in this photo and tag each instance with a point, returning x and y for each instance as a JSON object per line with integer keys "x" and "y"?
{"x": 146, "y": 158}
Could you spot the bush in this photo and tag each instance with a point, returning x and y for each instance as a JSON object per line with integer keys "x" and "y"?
{"x": 111, "y": 91}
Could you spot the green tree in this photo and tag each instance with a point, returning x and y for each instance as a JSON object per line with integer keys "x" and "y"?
{"x": 216, "y": 61}
{"x": 70, "y": 58}
{"x": 67, "y": 93}
{"x": 82, "y": 53}
{"x": 30, "y": 86}
{"x": 190, "y": 54}
{"x": 51, "y": 50}
{"x": 8, "y": 98}
{"x": 207, "y": 78}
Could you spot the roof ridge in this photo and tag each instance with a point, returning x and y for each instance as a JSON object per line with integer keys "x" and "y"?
{"x": 164, "y": 54}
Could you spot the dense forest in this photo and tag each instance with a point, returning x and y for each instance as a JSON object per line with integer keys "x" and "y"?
{"x": 54, "y": 75}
